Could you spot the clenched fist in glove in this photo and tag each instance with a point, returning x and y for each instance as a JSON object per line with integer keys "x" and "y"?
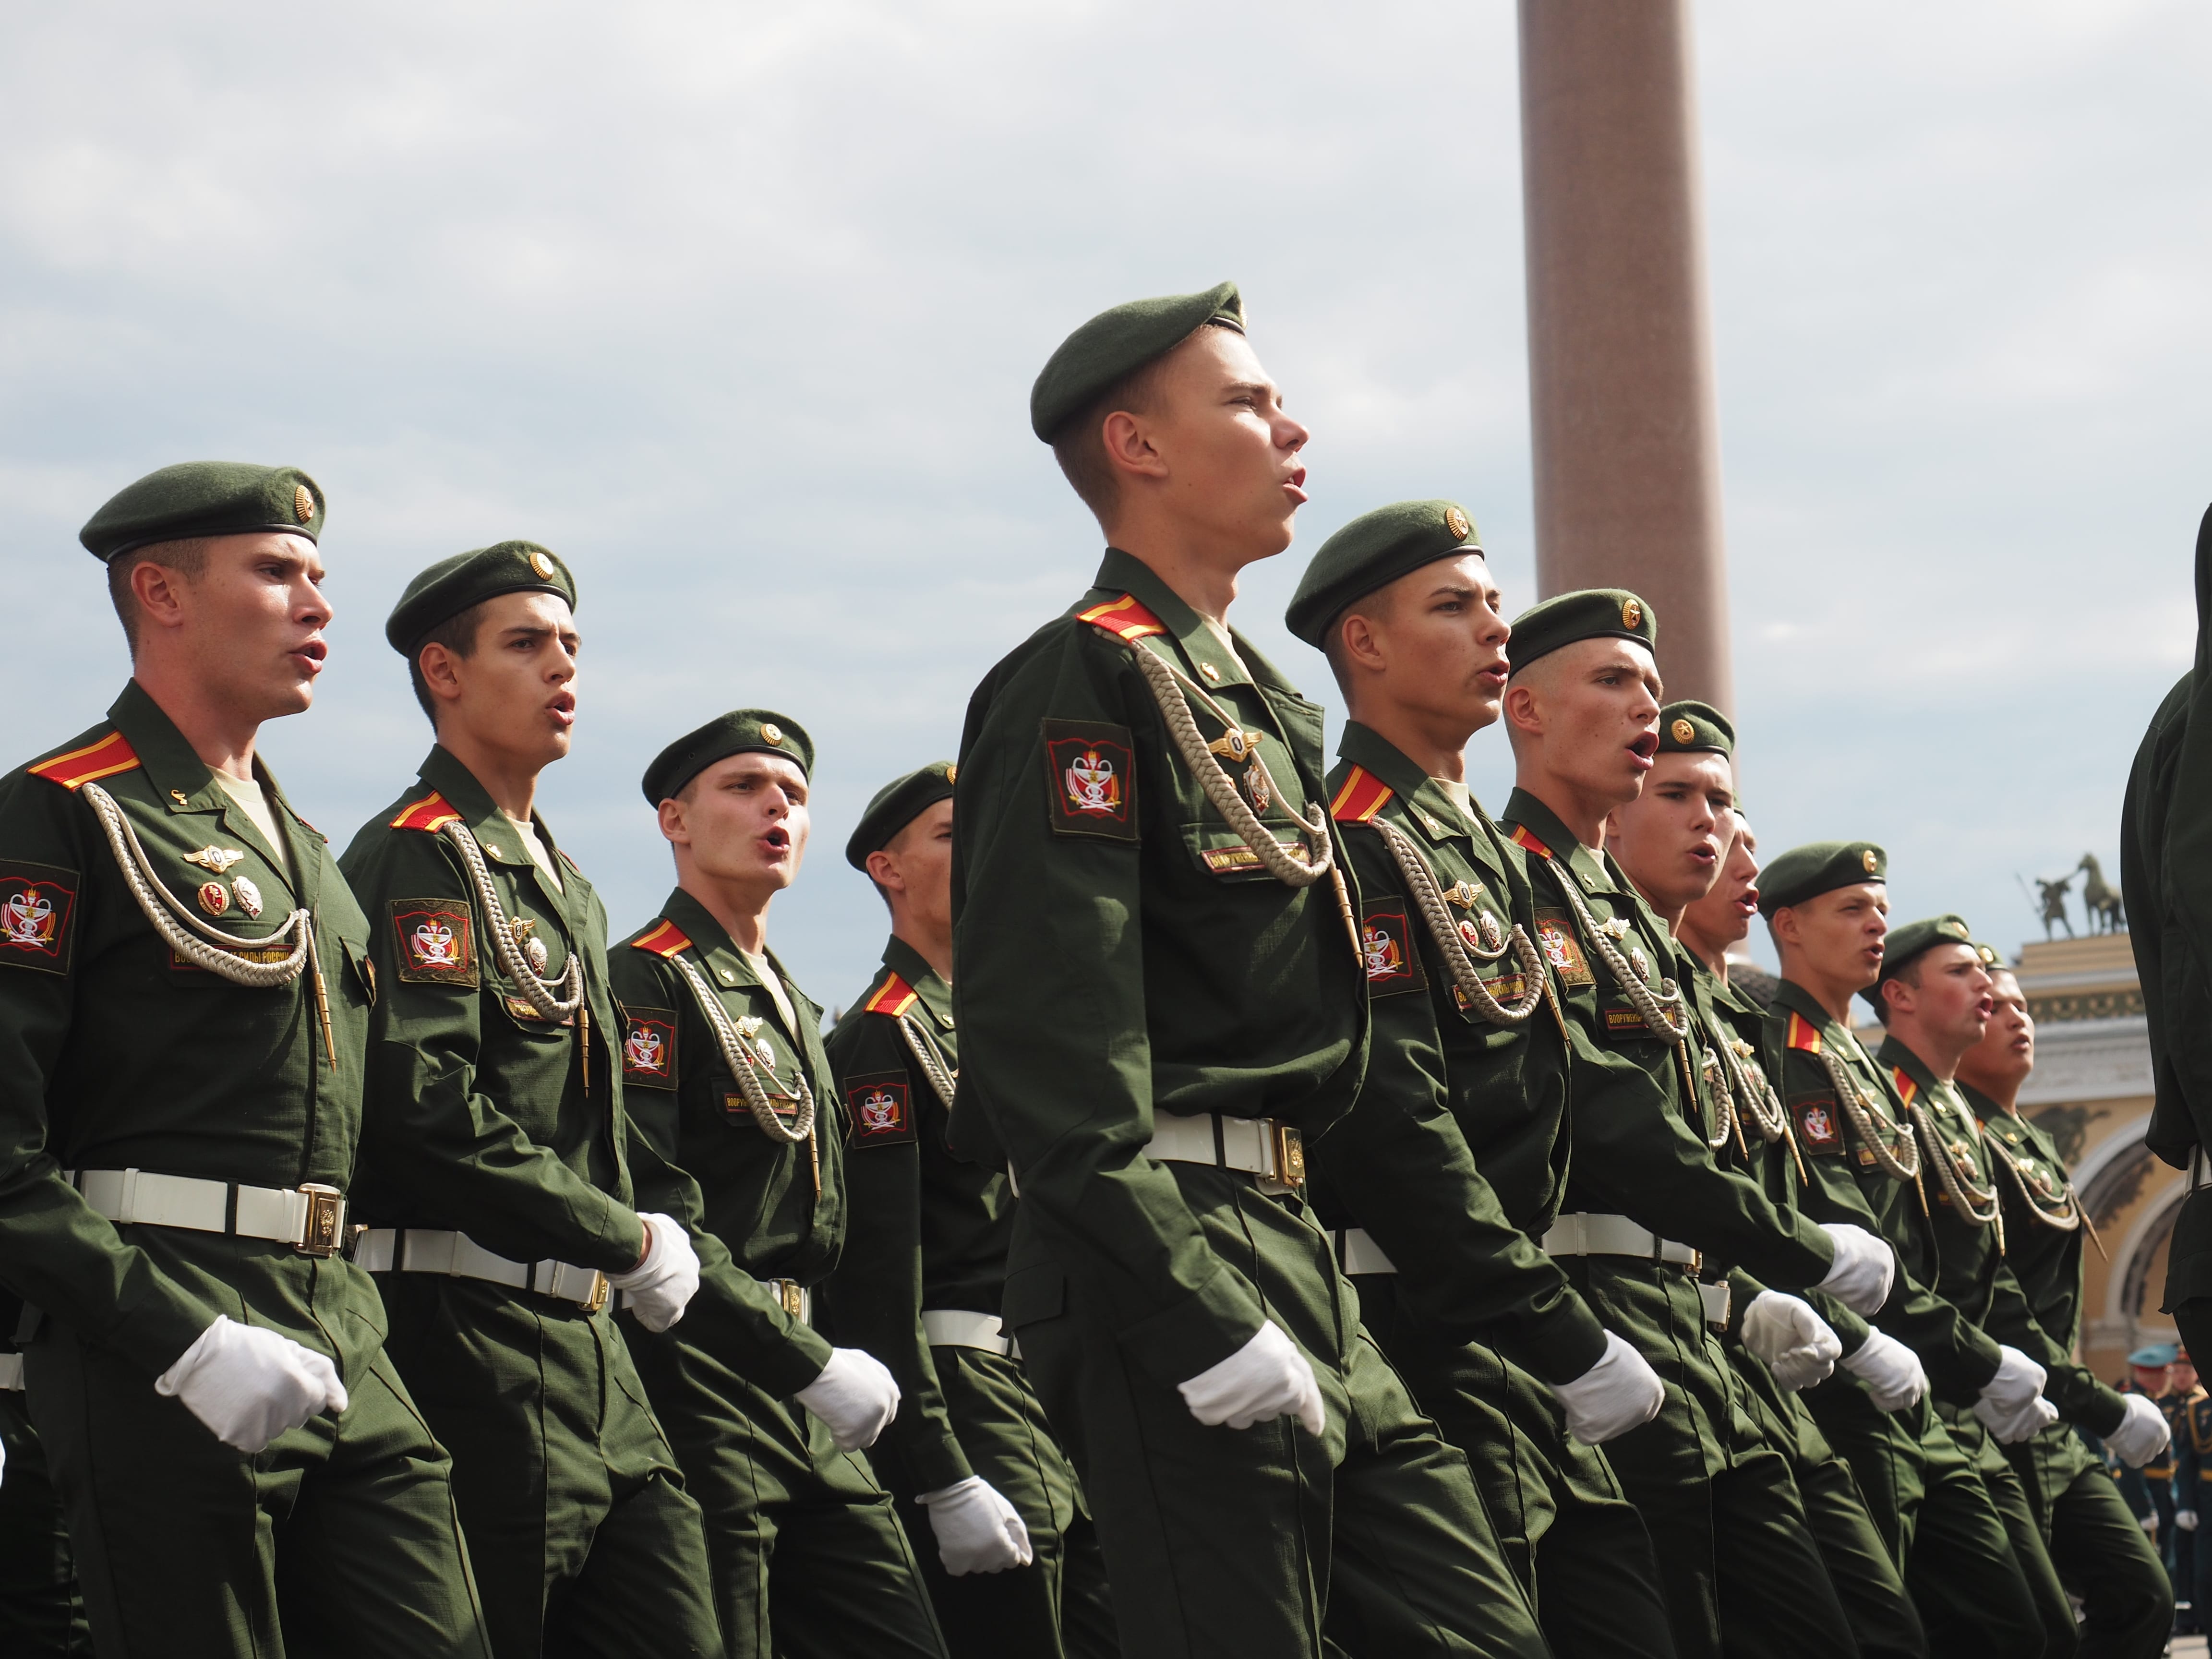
{"x": 665, "y": 1278}
{"x": 2012, "y": 1402}
{"x": 1860, "y": 1276}
{"x": 1266, "y": 1378}
{"x": 1620, "y": 1393}
{"x": 1790, "y": 1340}
{"x": 855, "y": 1395}
{"x": 2142, "y": 1435}
{"x": 249, "y": 1385}
{"x": 977, "y": 1530}
{"x": 1892, "y": 1372}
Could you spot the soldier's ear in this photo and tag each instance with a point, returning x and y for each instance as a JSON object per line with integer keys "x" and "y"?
{"x": 672, "y": 825}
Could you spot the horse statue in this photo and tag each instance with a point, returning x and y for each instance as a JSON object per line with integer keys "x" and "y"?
{"x": 2100, "y": 900}
{"x": 2054, "y": 903}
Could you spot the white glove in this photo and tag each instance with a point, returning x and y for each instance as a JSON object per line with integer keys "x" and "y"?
{"x": 249, "y": 1385}
{"x": 2185, "y": 1519}
{"x": 667, "y": 1279}
{"x": 2142, "y": 1434}
{"x": 1792, "y": 1341}
{"x": 2012, "y": 1402}
{"x": 1864, "y": 1266}
{"x": 2150, "y": 1524}
{"x": 1891, "y": 1371}
{"x": 1620, "y": 1393}
{"x": 1266, "y": 1378}
{"x": 977, "y": 1530}
{"x": 856, "y": 1395}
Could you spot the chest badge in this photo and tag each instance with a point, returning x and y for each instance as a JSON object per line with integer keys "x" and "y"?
{"x": 216, "y": 860}
{"x": 248, "y": 894}
{"x": 532, "y": 947}
{"x": 1483, "y": 931}
{"x": 748, "y": 1029}
{"x": 215, "y": 897}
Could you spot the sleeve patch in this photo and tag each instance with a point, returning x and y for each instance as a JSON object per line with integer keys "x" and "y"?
{"x": 882, "y": 1109}
{"x": 436, "y": 942}
{"x": 38, "y": 911}
{"x": 1386, "y": 945}
{"x": 1555, "y": 938}
{"x": 649, "y": 1056}
{"x": 1818, "y": 1131}
{"x": 1091, "y": 767}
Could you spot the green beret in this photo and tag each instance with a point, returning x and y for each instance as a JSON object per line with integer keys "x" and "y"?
{"x": 1371, "y": 552}
{"x": 204, "y": 498}
{"x": 1805, "y": 873}
{"x": 1694, "y": 727}
{"x": 1915, "y": 939}
{"x": 1116, "y": 343}
{"x": 740, "y": 732}
{"x": 896, "y": 806}
{"x": 1592, "y": 613}
{"x": 452, "y": 586}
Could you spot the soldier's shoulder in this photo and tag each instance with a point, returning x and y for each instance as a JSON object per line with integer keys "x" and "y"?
{"x": 865, "y": 1038}
{"x": 408, "y": 823}
{"x": 35, "y": 797}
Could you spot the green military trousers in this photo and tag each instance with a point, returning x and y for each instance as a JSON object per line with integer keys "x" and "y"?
{"x": 341, "y": 1538}
{"x": 583, "y": 1537}
{"x": 1575, "y": 1541}
{"x": 1943, "y": 1530}
{"x": 41, "y": 1614}
{"x": 1883, "y": 1620}
{"x": 1058, "y": 1607}
{"x": 2101, "y": 1553}
{"x": 809, "y": 1562}
{"x": 2023, "y": 1531}
{"x": 1219, "y": 1541}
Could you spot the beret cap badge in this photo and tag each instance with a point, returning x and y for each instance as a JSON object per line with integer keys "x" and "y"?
{"x": 1684, "y": 732}
{"x": 303, "y": 504}
{"x": 1871, "y": 862}
{"x": 1457, "y": 522}
{"x": 771, "y": 731}
{"x": 542, "y": 564}
{"x": 1632, "y": 614}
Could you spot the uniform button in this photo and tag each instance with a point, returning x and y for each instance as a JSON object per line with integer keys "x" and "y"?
{"x": 728, "y": 978}
{"x": 1209, "y": 671}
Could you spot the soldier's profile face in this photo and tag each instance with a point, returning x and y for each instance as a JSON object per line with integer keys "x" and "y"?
{"x": 1597, "y": 702}
{"x": 1952, "y": 999}
{"x": 1672, "y": 837}
{"x": 745, "y": 821}
{"x": 2006, "y": 1054}
{"x": 1839, "y": 934}
{"x": 1436, "y": 638}
{"x": 1228, "y": 472}
{"x": 1723, "y": 915}
{"x": 251, "y": 621}
{"x": 516, "y": 693}
{"x": 922, "y": 858}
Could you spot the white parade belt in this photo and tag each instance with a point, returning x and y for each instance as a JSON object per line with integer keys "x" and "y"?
{"x": 310, "y": 1217}
{"x": 11, "y": 1371}
{"x": 793, "y": 1297}
{"x": 1263, "y": 1146}
{"x": 1584, "y": 1234}
{"x": 435, "y": 1251}
{"x": 957, "y": 1327}
{"x": 1356, "y": 1252}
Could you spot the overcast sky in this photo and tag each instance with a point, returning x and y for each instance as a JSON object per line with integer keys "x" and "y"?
{"x": 737, "y": 307}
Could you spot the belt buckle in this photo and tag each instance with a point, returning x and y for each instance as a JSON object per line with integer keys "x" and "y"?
{"x": 1290, "y": 1153}
{"x": 792, "y": 1295}
{"x": 322, "y": 1230}
{"x": 600, "y": 1290}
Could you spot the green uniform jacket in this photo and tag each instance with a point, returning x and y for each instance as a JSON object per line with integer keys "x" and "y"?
{"x": 1449, "y": 1097}
{"x": 2046, "y": 1260}
{"x": 1120, "y": 954}
{"x": 483, "y": 1116}
{"x": 927, "y": 1227}
{"x": 749, "y": 1200}
{"x": 1849, "y": 1185}
{"x": 114, "y": 1055}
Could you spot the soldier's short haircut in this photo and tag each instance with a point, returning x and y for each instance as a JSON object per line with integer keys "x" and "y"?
{"x": 457, "y": 634}
{"x": 1374, "y": 607}
{"x": 1080, "y": 446}
{"x": 187, "y": 558}
{"x": 1909, "y": 974}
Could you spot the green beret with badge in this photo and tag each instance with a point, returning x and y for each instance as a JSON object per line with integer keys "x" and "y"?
{"x": 1589, "y": 613}
{"x": 1820, "y": 866}
{"x": 452, "y": 586}
{"x": 1690, "y": 727}
{"x": 1992, "y": 959}
{"x": 896, "y": 806}
{"x": 196, "y": 499}
{"x": 1915, "y": 939}
{"x": 1116, "y": 343}
{"x": 740, "y": 732}
{"x": 1371, "y": 552}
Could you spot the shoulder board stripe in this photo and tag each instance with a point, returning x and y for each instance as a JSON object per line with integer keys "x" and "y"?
{"x": 1803, "y": 1037}
{"x": 431, "y": 814}
{"x": 1124, "y": 618}
{"x": 1906, "y": 1088}
{"x": 1362, "y": 796}
{"x": 1521, "y": 838}
{"x": 663, "y": 939}
{"x": 103, "y": 759}
{"x": 895, "y": 998}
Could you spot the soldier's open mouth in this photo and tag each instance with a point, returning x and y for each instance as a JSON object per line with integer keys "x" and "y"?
{"x": 1645, "y": 746}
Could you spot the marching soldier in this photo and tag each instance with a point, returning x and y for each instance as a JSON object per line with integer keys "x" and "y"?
{"x": 495, "y": 1181}
{"x": 931, "y": 1212}
{"x": 1827, "y": 907}
{"x": 1684, "y": 829}
{"x": 1645, "y": 1199}
{"x": 723, "y": 1057}
{"x": 1159, "y": 994}
{"x": 2149, "y": 1490}
{"x": 184, "y": 1006}
{"x": 2101, "y": 1553}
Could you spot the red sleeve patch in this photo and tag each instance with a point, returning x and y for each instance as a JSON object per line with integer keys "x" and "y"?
{"x": 649, "y": 1056}
{"x": 1386, "y": 945}
{"x": 882, "y": 1108}
{"x": 436, "y": 941}
{"x": 1090, "y": 767}
{"x": 1555, "y": 938}
{"x": 1817, "y": 1128}
{"x": 38, "y": 903}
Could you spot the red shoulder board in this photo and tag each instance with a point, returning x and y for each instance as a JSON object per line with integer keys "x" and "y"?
{"x": 1521, "y": 838}
{"x": 663, "y": 939}
{"x": 1803, "y": 1037}
{"x": 1362, "y": 796}
{"x": 1906, "y": 1088}
{"x": 432, "y": 813}
{"x": 895, "y": 998}
{"x": 1124, "y": 618}
{"x": 79, "y": 767}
